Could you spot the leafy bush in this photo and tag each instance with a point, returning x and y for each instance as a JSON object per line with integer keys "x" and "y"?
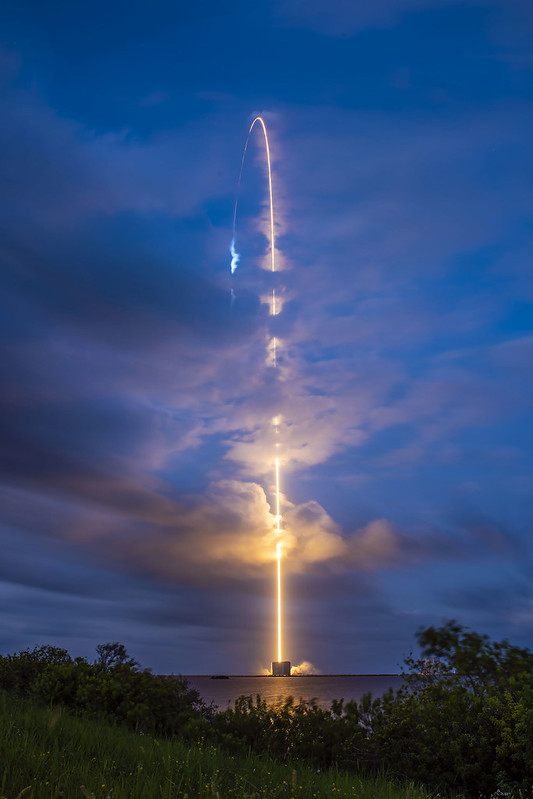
{"x": 113, "y": 688}
{"x": 464, "y": 719}
{"x": 18, "y": 672}
{"x": 287, "y": 730}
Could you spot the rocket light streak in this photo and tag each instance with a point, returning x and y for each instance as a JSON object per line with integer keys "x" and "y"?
{"x": 234, "y": 264}
{"x": 278, "y": 556}
{"x": 278, "y": 550}
{"x": 234, "y": 253}
{"x": 278, "y": 516}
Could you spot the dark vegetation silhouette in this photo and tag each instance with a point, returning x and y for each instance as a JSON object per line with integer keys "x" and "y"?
{"x": 462, "y": 722}
{"x": 113, "y": 688}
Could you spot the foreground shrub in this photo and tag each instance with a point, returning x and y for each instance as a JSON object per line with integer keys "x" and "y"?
{"x": 47, "y": 754}
{"x": 113, "y": 688}
{"x": 463, "y": 721}
{"x": 288, "y": 731}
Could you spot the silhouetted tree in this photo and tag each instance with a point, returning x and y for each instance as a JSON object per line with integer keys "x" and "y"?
{"x": 113, "y": 655}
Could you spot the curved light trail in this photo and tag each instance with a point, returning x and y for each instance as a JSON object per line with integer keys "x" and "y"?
{"x": 273, "y": 310}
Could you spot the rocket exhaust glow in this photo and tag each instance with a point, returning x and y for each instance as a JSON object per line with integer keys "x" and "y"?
{"x": 235, "y": 257}
{"x": 281, "y": 666}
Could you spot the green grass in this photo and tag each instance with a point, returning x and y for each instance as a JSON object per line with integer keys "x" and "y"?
{"x": 46, "y": 753}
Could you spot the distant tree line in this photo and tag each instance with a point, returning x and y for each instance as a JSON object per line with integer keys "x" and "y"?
{"x": 462, "y": 721}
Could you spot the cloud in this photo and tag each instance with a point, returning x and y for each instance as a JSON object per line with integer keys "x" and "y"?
{"x": 60, "y": 173}
{"x": 376, "y": 545}
{"x": 228, "y": 533}
{"x": 344, "y": 17}
{"x": 126, "y": 317}
{"x": 514, "y": 354}
{"x": 154, "y": 98}
{"x": 421, "y": 179}
{"x": 304, "y": 668}
{"x": 136, "y": 410}
{"x": 224, "y": 535}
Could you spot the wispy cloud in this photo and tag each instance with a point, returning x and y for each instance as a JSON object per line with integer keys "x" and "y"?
{"x": 343, "y": 17}
{"x": 137, "y": 402}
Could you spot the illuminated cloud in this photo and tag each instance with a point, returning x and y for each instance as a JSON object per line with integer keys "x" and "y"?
{"x": 228, "y": 534}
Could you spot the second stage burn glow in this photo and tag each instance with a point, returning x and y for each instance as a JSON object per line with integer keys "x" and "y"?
{"x": 235, "y": 257}
{"x": 280, "y": 668}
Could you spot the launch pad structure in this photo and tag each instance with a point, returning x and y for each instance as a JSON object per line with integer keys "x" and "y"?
{"x": 281, "y": 668}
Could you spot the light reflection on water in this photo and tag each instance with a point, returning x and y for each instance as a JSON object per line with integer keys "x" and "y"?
{"x": 324, "y": 688}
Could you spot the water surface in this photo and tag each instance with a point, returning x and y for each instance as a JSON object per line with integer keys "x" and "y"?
{"x": 323, "y": 688}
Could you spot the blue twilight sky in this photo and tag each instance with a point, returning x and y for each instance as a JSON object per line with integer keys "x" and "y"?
{"x": 137, "y": 399}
